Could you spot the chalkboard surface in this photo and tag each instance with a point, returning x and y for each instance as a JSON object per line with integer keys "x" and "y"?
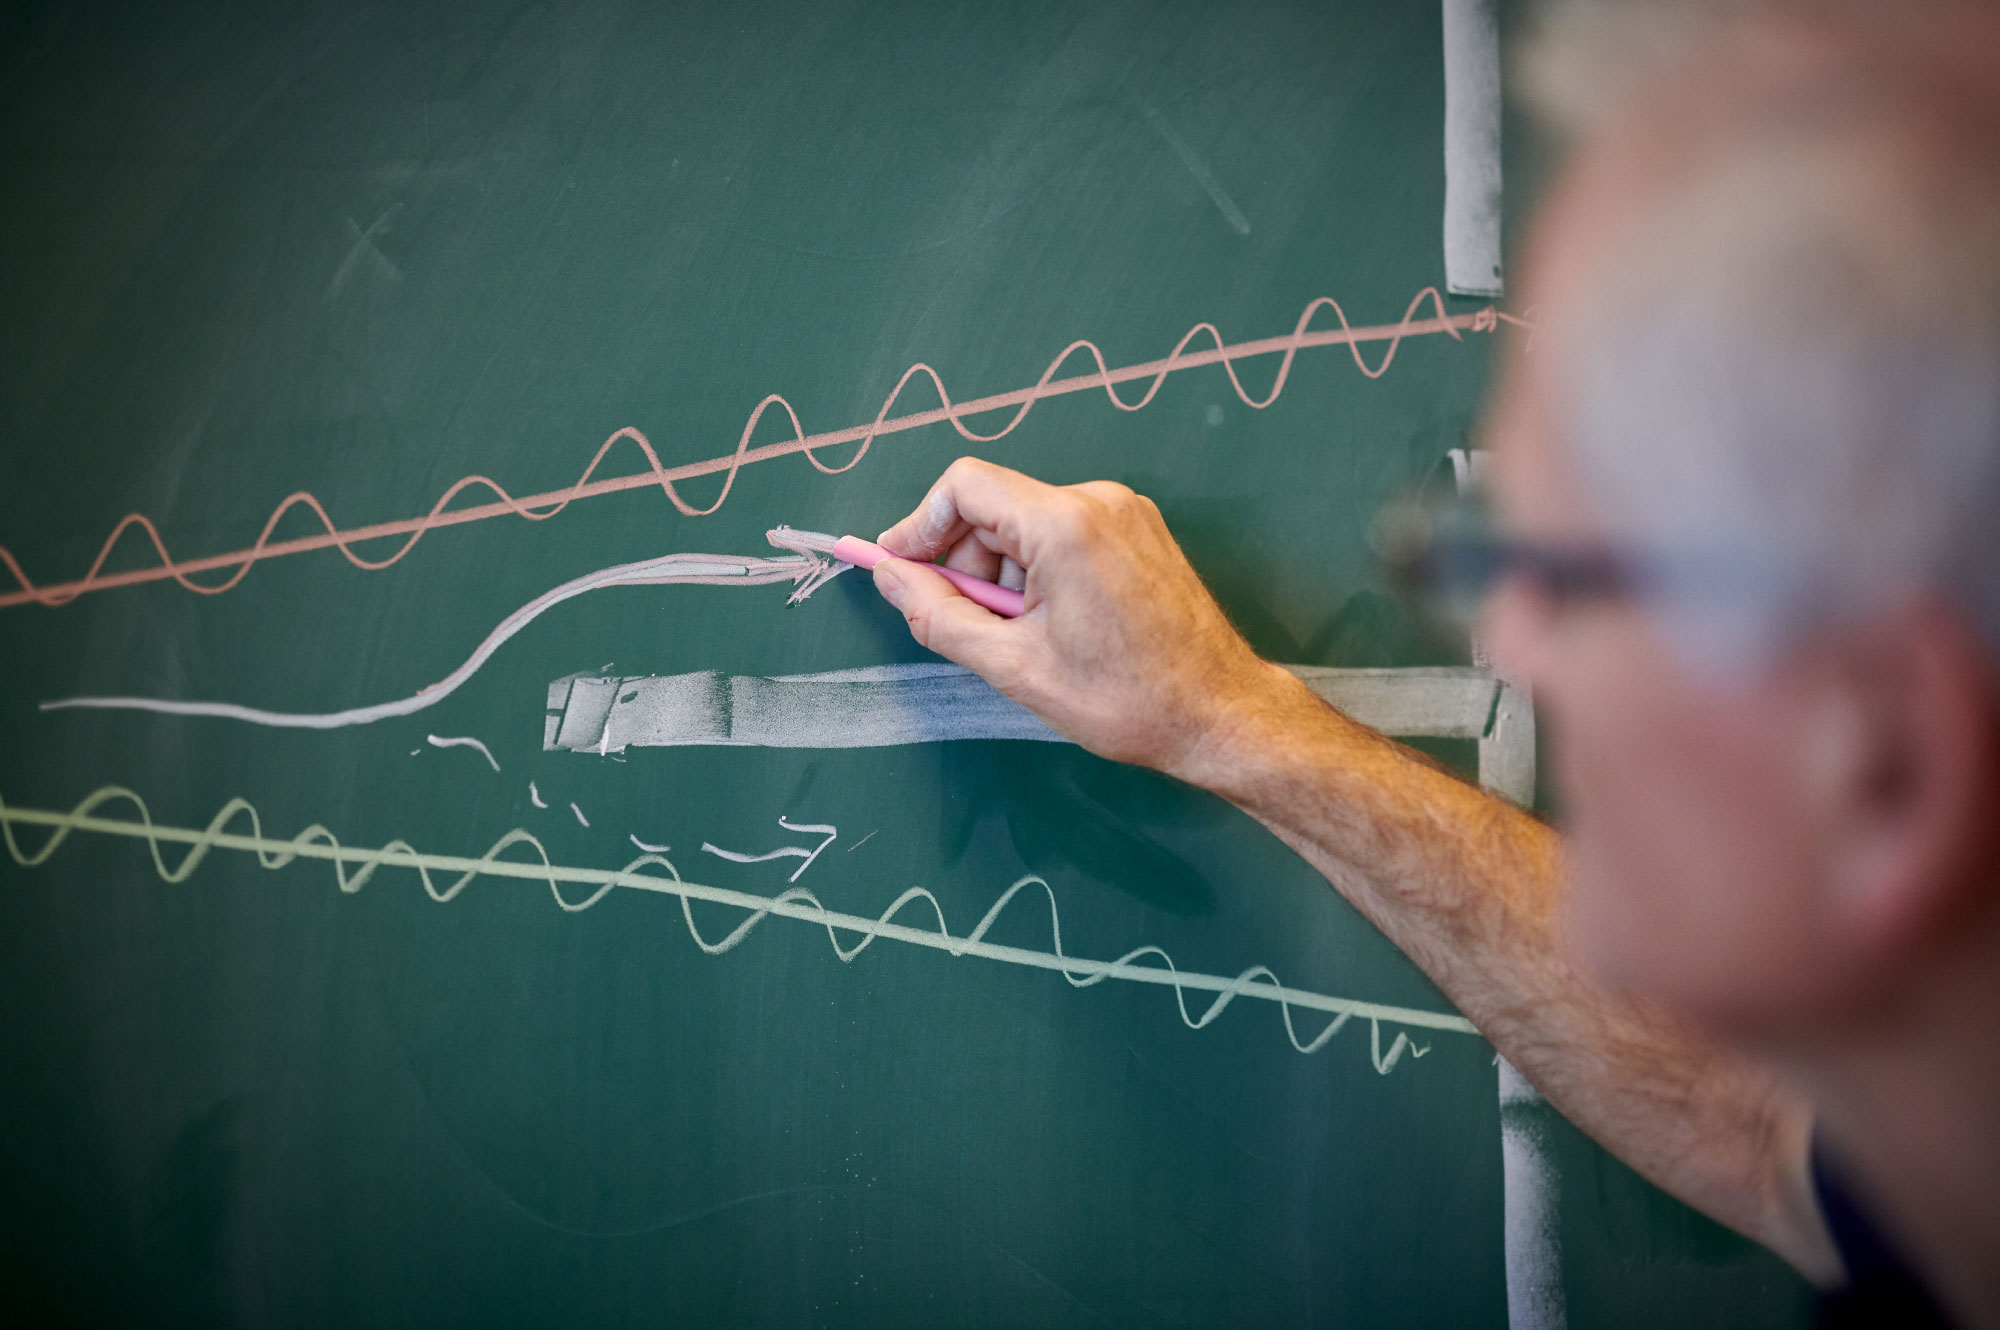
{"x": 530, "y": 1031}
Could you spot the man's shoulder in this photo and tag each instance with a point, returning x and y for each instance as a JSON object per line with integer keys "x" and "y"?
{"x": 1882, "y": 1288}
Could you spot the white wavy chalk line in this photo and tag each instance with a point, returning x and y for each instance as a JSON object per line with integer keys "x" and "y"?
{"x": 796, "y": 903}
{"x": 464, "y": 741}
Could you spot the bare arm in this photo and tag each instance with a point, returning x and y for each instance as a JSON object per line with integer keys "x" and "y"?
{"x": 1123, "y": 650}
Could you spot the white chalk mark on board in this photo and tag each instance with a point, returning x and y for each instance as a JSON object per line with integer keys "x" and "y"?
{"x": 464, "y": 741}
{"x": 1531, "y": 1230}
{"x": 1200, "y": 171}
{"x": 579, "y": 814}
{"x": 869, "y": 707}
{"x": 364, "y": 245}
{"x": 807, "y": 572}
{"x": 1472, "y": 148}
{"x": 649, "y": 849}
{"x": 883, "y": 705}
{"x": 786, "y": 852}
{"x": 795, "y": 903}
{"x": 535, "y": 796}
{"x": 863, "y": 841}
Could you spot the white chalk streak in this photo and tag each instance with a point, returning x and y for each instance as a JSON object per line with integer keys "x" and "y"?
{"x": 697, "y": 569}
{"x": 737, "y": 857}
{"x": 1199, "y": 170}
{"x": 649, "y": 849}
{"x": 874, "y": 707}
{"x": 535, "y": 796}
{"x": 1530, "y": 1204}
{"x": 796, "y": 903}
{"x": 884, "y": 705}
{"x": 790, "y": 851}
{"x": 1472, "y": 148}
{"x": 464, "y": 741}
{"x": 579, "y": 814}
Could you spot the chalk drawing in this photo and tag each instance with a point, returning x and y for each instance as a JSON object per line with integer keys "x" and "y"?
{"x": 805, "y": 571}
{"x": 535, "y": 796}
{"x": 871, "y": 707}
{"x": 863, "y": 841}
{"x": 464, "y": 741}
{"x": 649, "y": 849}
{"x": 581, "y": 819}
{"x": 795, "y": 903}
{"x": 542, "y": 506}
{"x": 786, "y": 852}
{"x": 882, "y": 705}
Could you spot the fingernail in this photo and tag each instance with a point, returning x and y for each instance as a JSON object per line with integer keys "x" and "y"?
{"x": 890, "y": 585}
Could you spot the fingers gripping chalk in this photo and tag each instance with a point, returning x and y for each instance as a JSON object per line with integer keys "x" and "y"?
{"x": 865, "y": 554}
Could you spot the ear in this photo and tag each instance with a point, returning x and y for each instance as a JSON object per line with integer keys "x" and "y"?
{"x": 1902, "y": 771}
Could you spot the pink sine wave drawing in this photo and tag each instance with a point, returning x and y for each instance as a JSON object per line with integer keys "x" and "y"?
{"x": 542, "y": 506}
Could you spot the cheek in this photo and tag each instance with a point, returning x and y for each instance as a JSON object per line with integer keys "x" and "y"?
{"x": 1680, "y": 849}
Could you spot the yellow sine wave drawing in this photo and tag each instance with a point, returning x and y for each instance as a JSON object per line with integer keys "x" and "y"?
{"x": 575, "y": 889}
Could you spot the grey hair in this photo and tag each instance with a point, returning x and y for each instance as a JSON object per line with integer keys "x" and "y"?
{"x": 1784, "y": 383}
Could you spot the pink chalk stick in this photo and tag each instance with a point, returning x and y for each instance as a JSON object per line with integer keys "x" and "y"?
{"x": 865, "y": 554}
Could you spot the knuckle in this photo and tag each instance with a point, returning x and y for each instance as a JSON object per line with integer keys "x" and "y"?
{"x": 1070, "y": 519}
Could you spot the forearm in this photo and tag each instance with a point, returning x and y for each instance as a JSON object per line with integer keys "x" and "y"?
{"x": 1469, "y": 887}
{"x": 1123, "y": 650}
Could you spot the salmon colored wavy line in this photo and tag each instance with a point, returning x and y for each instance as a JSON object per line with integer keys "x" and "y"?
{"x": 540, "y": 507}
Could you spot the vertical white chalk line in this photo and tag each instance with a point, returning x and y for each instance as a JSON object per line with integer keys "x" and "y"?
{"x": 1529, "y": 1200}
{"x": 1472, "y": 147}
{"x": 1532, "y": 1211}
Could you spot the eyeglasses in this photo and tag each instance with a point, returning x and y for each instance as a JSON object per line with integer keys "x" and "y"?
{"x": 1449, "y": 558}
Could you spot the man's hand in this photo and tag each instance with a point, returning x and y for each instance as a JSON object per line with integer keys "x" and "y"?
{"x": 1121, "y": 648}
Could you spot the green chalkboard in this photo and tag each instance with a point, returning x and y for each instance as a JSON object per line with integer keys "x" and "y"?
{"x": 358, "y": 252}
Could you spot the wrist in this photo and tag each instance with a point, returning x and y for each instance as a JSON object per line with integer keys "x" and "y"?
{"x": 1247, "y": 725}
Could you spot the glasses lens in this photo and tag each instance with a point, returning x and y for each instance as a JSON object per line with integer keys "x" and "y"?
{"x": 1441, "y": 554}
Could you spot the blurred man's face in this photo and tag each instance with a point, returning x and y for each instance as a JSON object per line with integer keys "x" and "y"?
{"x": 1690, "y": 853}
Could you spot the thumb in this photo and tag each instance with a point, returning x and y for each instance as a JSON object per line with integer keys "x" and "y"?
{"x": 940, "y": 618}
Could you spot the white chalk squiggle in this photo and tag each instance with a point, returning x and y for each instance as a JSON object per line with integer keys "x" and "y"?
{"x": 465, "y": 741}
{"x": 796, "y": 903}
{"x": 784, "y": 852}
